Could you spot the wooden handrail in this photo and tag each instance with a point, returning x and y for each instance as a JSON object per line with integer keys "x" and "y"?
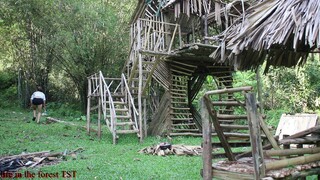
{"x": 111, "y": 104}
{"x": 131, "y": 99}
{"x": 230, "y": 90}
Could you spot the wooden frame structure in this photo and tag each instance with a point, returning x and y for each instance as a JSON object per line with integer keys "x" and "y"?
{"x": 167, "y": 50}
{"x": 264, "y": 163}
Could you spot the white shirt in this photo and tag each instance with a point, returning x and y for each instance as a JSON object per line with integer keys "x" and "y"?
{"x": 38, "y": 94}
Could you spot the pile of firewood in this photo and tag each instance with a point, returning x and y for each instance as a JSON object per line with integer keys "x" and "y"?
{"x": 35, "y": 159}
{"x": 164, "y": 149}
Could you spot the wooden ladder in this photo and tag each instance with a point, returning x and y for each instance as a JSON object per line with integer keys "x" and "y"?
{"x": 232, "y": 129}
{"x": 181, "y": 117}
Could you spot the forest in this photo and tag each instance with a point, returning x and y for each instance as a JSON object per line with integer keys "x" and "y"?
{"x": 57, "y": 44}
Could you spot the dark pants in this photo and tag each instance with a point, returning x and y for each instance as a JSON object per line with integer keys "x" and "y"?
{"x": 37, "y": 101}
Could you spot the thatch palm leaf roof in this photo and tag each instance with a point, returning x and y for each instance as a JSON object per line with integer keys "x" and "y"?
{"x": 284, "y": 31}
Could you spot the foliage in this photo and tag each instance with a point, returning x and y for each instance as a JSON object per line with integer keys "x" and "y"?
{"x": 69, "y": 39}
{"x": 293, "y": 90}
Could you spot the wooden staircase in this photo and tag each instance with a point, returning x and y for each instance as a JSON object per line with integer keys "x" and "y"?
{"x": 231, "y": 127}
{"x": 124, "y": 122}
{"x": 181, "y": 117}
{"x": 115, "y": 103}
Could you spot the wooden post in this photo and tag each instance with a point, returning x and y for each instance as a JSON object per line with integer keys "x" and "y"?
{"x": 140, "y": 99}
{"x": 205, "y": 25}
{"x": 145, "y": 117}
{"x": 286, "y": 146}
{"x": 88, "y": 105}
{"x": 255, "y": 136}
{"x": 99, "y": 118}
{"x": 259, "y": 84}
{"x": 207, "y": 144}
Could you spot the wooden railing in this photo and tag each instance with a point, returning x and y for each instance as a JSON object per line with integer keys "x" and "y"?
{"x": 155, "y": 36}
{"x": 130, "y": 100}
{"x": 104, "y": 92}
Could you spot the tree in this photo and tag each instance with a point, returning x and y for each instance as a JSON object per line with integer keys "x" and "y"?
{"x": 72, "y": 39}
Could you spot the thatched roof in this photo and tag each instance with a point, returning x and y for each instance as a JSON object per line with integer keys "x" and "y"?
{"x": 283, "y": 31}
{"x": 151, "y": 8}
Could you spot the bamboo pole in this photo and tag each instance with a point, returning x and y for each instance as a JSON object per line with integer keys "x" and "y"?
{"x": 140, "y": 99}
{"x": 99, "y": 118}
{"x": 288, "y": 152}
{"x": 292, "y": 161}
{"x": 230, "y": 90}
{"x": 88, "y": 106}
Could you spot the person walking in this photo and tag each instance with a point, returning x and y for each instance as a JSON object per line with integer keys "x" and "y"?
{"x": 38, "y": 101}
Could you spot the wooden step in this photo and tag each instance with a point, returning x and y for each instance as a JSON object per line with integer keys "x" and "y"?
{"x": 124, "y": 123}
{"x": 181, "y": 119}
{"x": 185, "y": 130}
{"x": 183, "y": 124}
{"x": 231, "y": 117}
{"x": 179, "y": 90}
{"x": 176, "y": 102}
{"x": 126, "y": 131}
{"x": 231, "y": 126}
{"x": 181, "y": 86}
{"x": 121, "y": 110}
{"x": 180, "y": 108}
{"x": 120, "y": 117}
{"x": 116, "y": 102}
{"x": 182, "y": 113}
{"x": 180, "y": 81}
{"x": 179, "y": 94}
{"x": 176, "y": 97}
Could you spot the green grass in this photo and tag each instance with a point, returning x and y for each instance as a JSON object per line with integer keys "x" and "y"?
{"x": 100, "y": 158}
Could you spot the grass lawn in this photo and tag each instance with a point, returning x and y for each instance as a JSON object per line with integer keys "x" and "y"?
{"x": 100, "y": 158}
